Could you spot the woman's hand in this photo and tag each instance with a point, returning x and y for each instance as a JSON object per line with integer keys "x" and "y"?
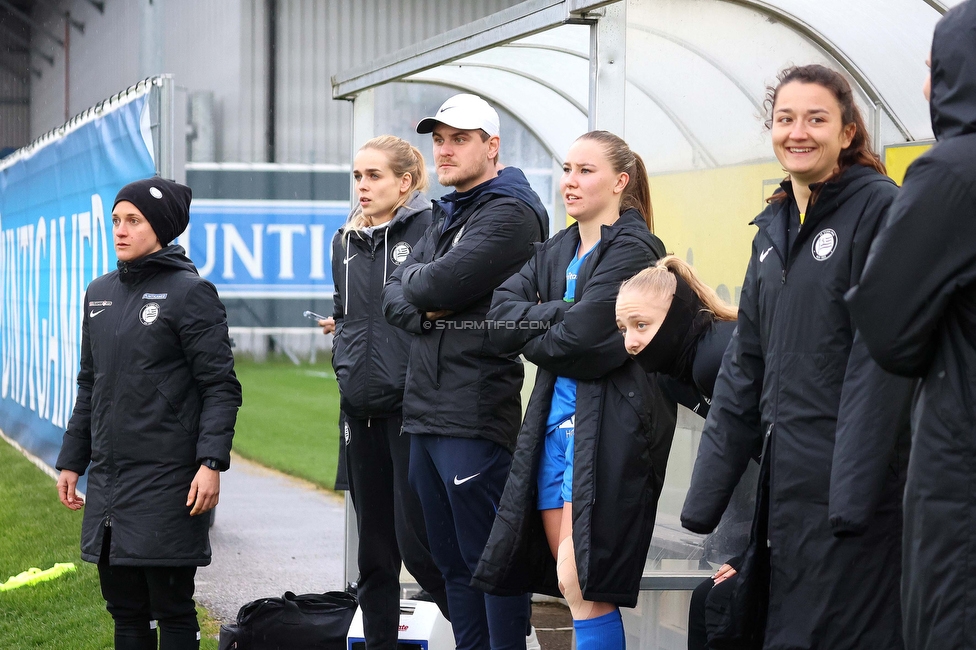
{"x": 204, "y": 491}
{"x": 327, "y": 325}
{"x": 67, "y": 485}
{"x": 724, "y": 573}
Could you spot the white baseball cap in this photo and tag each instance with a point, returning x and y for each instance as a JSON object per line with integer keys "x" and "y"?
{"x": 463, "y": 111}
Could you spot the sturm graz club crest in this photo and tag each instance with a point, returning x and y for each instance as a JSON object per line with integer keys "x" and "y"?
{"x": 457, "y": 237}
{"x": 346, "y": 432}
{"x": 400, "y": 252}
{"x": 149, "y": 313}
{"x": 824, "y": 244}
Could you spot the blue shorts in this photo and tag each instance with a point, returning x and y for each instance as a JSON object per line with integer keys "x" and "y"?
{"x": 555, "y": 480}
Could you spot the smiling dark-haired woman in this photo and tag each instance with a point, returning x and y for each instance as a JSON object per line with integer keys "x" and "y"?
{"x": 798, "y": 376}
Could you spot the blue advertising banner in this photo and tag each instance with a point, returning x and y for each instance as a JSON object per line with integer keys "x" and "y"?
{"x": 264, "y": 249}
{"x": 55, "y": 238}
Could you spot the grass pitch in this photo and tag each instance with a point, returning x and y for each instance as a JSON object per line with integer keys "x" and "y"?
{"x": 290, "y": 418}
{"x": 37, "y": 531}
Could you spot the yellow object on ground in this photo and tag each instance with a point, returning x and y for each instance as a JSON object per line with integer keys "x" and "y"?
{"x": 34, "y": 575}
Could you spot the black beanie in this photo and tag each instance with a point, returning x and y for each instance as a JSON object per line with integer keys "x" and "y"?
{"x": 165, "y": 204}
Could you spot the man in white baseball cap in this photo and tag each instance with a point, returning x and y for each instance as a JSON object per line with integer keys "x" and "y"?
{"x": 464, "y": 111}
{"x": 461, "y": 401}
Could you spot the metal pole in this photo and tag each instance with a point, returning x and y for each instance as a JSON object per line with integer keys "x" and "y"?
{"x": 166, "y": 163}
{"x": 876, "y": 128}
{"x": 363, "y": 128}
{"x": 608, "y": 69}
{"x": 67, "y": 66}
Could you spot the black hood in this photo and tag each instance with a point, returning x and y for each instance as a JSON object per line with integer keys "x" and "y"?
{"x": 953, "y": 104}
{"x": 171, "y": 257}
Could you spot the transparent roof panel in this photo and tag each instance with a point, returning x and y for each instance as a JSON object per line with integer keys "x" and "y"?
{"x": 543, "y": 80}
{"x": 697, "y": 71}
{"x": 888, "y": 40}
{"x": 706, "y": 64}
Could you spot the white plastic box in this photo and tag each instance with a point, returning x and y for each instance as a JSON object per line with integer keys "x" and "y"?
{"x": 422, "y": 627}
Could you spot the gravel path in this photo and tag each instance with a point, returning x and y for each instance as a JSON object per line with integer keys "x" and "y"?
{"x": 273, "y": 533}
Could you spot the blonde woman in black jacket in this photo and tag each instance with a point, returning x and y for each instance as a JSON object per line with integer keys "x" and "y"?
{"x": 580, "y": 501}
{"x": 370, "y": 360}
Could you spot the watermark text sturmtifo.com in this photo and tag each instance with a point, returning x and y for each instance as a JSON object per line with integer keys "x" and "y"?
{"x": 485, "y": 325}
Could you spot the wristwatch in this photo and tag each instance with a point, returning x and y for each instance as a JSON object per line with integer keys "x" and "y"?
{"x": 212, "y": 463}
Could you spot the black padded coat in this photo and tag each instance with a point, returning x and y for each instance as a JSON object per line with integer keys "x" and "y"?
{"x": 458, "y": 384}
{"x": 797, "y": 367}
{"x": 368, "y": 354}
{"x": 624, "y": 425}
{"x": 157, "y": 394}
{"x": 916, "y": 307}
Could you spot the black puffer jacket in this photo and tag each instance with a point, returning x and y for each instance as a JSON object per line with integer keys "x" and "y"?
{"x": 687, "y": 350}
{"x": 916, "y": 307}
{"x": 624, "y": 426}
{"x": 458, "y": 383}
{"x": 370, "y": 355}
{"x": 157, "y": 394}
{"x": 839, "y": 423}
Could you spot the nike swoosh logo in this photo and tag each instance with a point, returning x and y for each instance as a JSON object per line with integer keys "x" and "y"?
{"x": 762, "y": 255}
{"x": 346, "y": 261}
{"x": 93, "y": 313}
{"x": 461, "y": 481}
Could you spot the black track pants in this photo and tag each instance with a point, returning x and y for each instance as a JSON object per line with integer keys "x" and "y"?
{"x": 391, "y": 526}
{"x": 137, "y": 595}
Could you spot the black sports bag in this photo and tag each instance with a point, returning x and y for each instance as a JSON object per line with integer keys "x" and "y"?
{"x": 305, "y": 622}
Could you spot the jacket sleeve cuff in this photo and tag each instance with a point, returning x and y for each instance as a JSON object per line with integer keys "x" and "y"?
{"x": 696, "y": 526}
{"x": 73, "y": 456}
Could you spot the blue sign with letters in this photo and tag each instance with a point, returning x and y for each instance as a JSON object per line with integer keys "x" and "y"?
{"x": 264, "y": 249}
{"x": 55, "y": 238}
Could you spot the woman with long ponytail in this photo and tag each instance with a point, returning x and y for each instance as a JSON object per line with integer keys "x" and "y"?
{"x": 370, "y": 360}
{"x": 595, "y": 421}
{"x": 677, "y": 326}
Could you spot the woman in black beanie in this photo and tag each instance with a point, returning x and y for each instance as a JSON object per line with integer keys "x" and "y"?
{"x": 153, "y": 421}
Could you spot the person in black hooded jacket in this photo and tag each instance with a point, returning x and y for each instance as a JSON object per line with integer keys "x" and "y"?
{"x": 155, "y": 414}
{"x": 798, "y": 373}
{"x": 461, "y": 402}
{"x": 370, "y": 360}
{"x": 916, "y": 308}
{"x": 676, "y": 325}
{"x": 580, "y": 503}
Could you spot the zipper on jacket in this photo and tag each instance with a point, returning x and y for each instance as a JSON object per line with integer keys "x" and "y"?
{"x": 369, "y": 323}
{"x": 769, "y": 492}
{"x": 129, "y": 299}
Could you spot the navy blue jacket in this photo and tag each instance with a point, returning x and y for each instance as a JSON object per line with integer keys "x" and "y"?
{"x": 458, "y": 383}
